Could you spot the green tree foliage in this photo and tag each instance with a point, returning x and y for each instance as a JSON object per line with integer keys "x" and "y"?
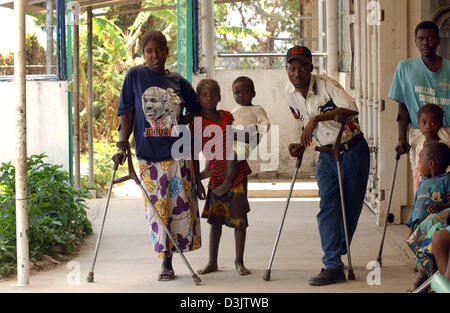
{"x": 253, "y": 26}
{"x": 7, "y": 64}
{"x": 35, "y": 56}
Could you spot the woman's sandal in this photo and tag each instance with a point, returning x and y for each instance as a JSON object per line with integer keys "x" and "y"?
{"x": 166, "y": 275}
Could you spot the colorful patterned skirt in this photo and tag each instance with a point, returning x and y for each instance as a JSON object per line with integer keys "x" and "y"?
{"x": 229, "y": 209}
{"x": 420, "y": 240}
{"x": 170, "y": 187}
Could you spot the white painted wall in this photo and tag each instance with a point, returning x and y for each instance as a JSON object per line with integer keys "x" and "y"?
{"x": 397, "y": 37}
{"x": 271, "y": 93}
{"x": 47, "y": 121}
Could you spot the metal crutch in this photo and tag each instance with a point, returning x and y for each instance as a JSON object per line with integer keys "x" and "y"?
{"x": 132, "y": 175}
{"x": 380, "y": 251}
{"x": 90, "y": 277}
{"x": 337, "y": 149}
{"x": 266, "y": 276}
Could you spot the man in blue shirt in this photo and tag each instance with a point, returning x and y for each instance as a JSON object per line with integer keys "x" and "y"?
{"x": 418, "y": 81}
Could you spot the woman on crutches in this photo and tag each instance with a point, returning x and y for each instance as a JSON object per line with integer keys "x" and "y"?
{"x": 151, "y": 106}
{"x": 315, "y": 99}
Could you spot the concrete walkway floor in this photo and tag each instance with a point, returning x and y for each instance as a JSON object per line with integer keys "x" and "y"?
{"x": 126, "y": 263}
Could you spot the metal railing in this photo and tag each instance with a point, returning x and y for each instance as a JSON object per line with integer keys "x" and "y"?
{"x": 261, "y": 54}
{"x": 10, "y": 77}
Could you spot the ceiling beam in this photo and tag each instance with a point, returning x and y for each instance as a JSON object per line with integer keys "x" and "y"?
{"x": 105, "y": 3}
{"x": 36, "y": 6}
{"x": 164, "y": 7}
{"x": 28, "y": 8}
{"x": 131, "y": 11}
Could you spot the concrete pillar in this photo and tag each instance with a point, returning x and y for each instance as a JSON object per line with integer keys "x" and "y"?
{"x": 394, "y": 33}
{"x": 49, "y": 31}
{"x": 320, "y": 36}
{"x": 208, "y": 35}
{"x": 76, "y": 92}
{"x": 90, "y": 108}
{"x": 23, "y": 267}
{"x": 332, "y": 39}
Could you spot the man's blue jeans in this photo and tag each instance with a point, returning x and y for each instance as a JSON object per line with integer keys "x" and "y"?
{"x": 355, "y": 171}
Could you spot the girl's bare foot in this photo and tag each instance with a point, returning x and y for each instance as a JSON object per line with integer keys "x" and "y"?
{"x": 208, "y": 269}
{"x": 241, "y": 269}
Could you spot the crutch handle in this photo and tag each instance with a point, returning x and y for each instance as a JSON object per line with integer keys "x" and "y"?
{"x": 338, "y": 148}
{"x": 300, "y": 157}
{"x": 125, "y": 145}
{"x": 343, "y": 118}
{"x": 296, "y": 150}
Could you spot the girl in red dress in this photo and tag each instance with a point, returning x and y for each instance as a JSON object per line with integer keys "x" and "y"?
{"x": 231, "y": 207}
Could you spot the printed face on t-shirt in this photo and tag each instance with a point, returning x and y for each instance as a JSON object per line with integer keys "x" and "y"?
{"x": 157, "y": 108}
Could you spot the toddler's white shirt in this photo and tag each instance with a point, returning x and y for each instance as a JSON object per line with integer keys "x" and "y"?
{"x": 245, "y": 116}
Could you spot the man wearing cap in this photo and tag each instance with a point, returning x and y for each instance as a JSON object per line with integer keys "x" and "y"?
{"x": 316, "y": 100}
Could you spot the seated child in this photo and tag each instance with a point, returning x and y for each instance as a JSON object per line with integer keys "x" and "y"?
{"x": 432, "y": 190}
{"x": 430, "y": 204}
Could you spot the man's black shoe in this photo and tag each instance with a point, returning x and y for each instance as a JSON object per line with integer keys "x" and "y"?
{"x": 328, "y": 276}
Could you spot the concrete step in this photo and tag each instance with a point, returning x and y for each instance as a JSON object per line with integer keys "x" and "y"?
{"x": 280, "y": 189}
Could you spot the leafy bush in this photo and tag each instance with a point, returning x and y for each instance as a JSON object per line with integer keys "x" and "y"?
{"x": 56, "y": 211}
{"x": 103, "y": 165}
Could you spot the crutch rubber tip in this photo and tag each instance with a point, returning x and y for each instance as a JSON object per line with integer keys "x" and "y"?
{"x": 90, "y": 278}
{"x": 266, "y": 276}
{"x": 379, "y": 261}
{"x": 196, "y": 279}
{"x": 351, "y": 275}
